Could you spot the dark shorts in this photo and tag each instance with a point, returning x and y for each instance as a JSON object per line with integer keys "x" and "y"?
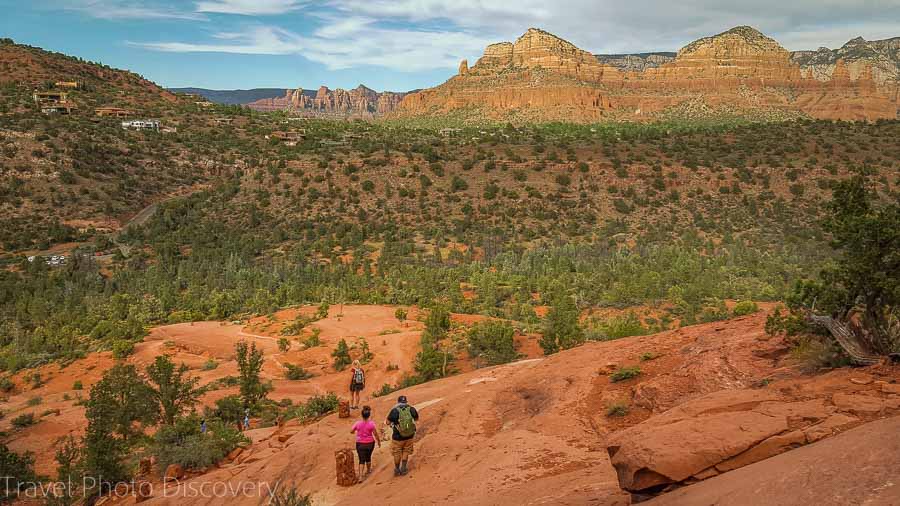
{"x": 364, "y": 451}
{"x": 357, "y": 387}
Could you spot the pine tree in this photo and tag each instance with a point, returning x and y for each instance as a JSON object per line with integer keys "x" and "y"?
{"x": 250, "y": 361}
{"x": 172, "y": 388}
{"x": 561, "y": 329}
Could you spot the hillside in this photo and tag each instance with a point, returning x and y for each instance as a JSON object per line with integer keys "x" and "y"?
{"x": 739, "y": 72}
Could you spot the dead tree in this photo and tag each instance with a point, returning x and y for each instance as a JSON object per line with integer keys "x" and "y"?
{"x": 846, "y": 338}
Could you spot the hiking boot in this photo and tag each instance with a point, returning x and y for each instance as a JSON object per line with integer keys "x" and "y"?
{"x": 397, "y": 471}
{"x": 403, "y": 469}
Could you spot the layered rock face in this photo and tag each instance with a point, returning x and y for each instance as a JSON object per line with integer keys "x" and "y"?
{"x": 540, "y": 49}
{"x": 359, "y": 102}
{"x": 737, "y": 72}
{"x": 635, "y": 62}
{"x": 860, "y": 56}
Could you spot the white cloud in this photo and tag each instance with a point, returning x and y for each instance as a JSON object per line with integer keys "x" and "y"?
{"x": 360, "y": 44}
{"x": 416, "y": 35}
{"x": 249, "y": 7}
{"x": 126, "y": 9}
{"x": 640, "y": 25}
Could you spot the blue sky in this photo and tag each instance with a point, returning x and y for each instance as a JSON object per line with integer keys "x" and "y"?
{"x": 396, "y": 44}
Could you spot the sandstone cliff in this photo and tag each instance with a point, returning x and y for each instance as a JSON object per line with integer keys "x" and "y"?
{"x": 882, "y": 57}
{"x": 737, "y": 72}
{"x": 360, "y": 102}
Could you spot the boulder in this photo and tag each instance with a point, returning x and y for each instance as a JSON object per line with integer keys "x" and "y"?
{"x": 143, "y": 490}
{"x": 145, "y": 467}
{"x": 826, "y": 428}
{"x": 344, "y": 409}
{"x": 174, "y": 472}
{"x": 233, "y": 454}
{"x": 649, "y": 454}
{"x": 891, "y": 388}
{"x": 344, "y": 467}
{"x": 769, "y": 448}
{"x": 857, "y": 404}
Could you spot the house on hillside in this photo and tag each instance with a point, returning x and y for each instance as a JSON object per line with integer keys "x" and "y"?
{"x": 66, "y": 84}
{"x": 447, "y": 132}
{"x": 289, "y": 138}
{"x": 141, "y": 124}
{"x": 54, "y": 102}
{"x": 114, "y": 112}
{"x": 223, "y": 121}
{"x": 50, "y": 97}
{"x": 58, "y": 108}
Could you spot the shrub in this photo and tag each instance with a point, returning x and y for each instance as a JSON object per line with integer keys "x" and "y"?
{"x": 317, "y": 406}
{"x": 617, "y": 409}
{"x": 492, "y": 341}
{"x": 744, "y": 307}
{"x": 400, "y": 314}
{"x": 649, "y": 355}
{"x": 625, "y": 373}
{"x": 616, "y": 327}
{"x": 183, "y": 443}
{"x": 815, "y": 355}
{"x": 23, "y": 420}
{"x": 295, "y": 372}
{"x": 229, "y": 409}
{"x": 341, "y": 355}
{"x": 6, "y": 384}
{"x": 313, "y": 340}
{"x": 284, "y": 345}
{"x": 122, "y": 348}
{"x": 561, "y": 328}
{"x": 77, "y": 385}
{"x": 210, "y": 364}
{"x": 34, "y": 401}
{"x": 18, "y": 470}
{"x": 290, "y": 497}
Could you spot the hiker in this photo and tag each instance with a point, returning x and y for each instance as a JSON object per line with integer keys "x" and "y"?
{"x": 366, "y": 437}
{"x": 357, "y": 383}
{"x": 402, "y": 419}
{"x": 203, "y": 426}
{"x": 247, "y": 419}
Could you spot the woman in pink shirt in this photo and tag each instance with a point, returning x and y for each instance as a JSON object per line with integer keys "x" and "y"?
{"x": 366, "y": 437}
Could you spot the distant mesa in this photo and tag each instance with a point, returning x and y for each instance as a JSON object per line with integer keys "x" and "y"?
{"x": 738, "y": 72}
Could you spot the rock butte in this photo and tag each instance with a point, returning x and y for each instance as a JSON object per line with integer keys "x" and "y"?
{"x": 741, "y": 71}
{"x": 360, "y": 102}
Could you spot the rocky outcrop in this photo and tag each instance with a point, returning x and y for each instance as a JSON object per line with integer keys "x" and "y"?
{"x": 880, "y": 58}
{"x": 638, "y": 62}
{"x": 737, "y": 72}
{"x": 727, "y": 430}
{"x": 823, "y": 473}
{"x": 361, "y": 102}
{"x": 539, "y": 49}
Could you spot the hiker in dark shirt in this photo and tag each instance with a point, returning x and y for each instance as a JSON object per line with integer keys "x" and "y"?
{"x": 402, "y": 419}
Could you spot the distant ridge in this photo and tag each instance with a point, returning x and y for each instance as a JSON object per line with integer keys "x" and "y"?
{"x": 233, "y": 97}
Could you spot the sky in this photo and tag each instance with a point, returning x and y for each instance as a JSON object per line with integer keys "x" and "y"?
{"x": 397, "y": 45}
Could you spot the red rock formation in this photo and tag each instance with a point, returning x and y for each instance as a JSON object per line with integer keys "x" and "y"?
{"x": 358, "y": 102}
{"x": 741, "y": 71}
